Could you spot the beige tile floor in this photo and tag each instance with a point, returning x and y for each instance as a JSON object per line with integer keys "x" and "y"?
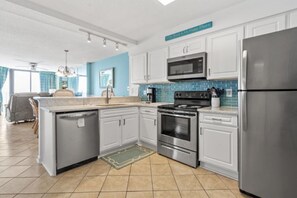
{"x": 155, "y": 176}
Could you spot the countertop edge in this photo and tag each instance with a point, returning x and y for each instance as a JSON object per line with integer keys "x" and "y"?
{"x": 221, "y": 110}
{"x": 58, "y": 109}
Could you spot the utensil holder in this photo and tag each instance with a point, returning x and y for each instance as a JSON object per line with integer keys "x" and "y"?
{"x": 215, "y": 102}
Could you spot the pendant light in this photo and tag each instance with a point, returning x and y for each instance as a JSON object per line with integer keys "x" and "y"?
{"x": 65, "y": 71}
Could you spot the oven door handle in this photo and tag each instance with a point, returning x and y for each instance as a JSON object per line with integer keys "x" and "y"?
{"x": 177, "y": 115}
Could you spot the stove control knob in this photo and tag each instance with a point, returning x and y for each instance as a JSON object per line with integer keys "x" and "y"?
{"x": 201, "y": 95}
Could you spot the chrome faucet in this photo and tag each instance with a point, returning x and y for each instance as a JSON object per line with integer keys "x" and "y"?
{"x": 108, "y": 96}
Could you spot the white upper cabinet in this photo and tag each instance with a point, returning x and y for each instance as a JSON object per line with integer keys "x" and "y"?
{"x": 223, "y": 54}
{"x": 292, "y": 19}
{"x": 157, "y": 66}
{"x": 187, "y": 47}
{"x": 265, "y": 26}
{"x": 138, "y": 68}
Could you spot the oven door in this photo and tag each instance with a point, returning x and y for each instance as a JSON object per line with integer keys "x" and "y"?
{"x": 187, "y": 67}
{"x": 178, "y": 128}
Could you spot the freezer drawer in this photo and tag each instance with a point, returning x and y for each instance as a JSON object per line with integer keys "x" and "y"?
{"x": 268, "y": 143}
{"x": 77, "y": 137}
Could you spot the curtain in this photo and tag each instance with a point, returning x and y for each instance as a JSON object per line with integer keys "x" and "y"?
{"x": 47, "y": 81}
{"x": 3, "y": 76}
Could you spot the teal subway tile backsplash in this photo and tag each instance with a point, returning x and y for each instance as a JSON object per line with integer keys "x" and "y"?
{"x": 165, "y": 92}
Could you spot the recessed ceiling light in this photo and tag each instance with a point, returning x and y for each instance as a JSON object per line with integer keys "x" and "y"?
{"x": 166, "y": 2}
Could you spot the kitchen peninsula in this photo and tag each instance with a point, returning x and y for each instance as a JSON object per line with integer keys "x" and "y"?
{"x": 124, "y": 110}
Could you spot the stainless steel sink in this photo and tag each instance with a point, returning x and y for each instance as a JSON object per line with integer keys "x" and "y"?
{"x": 108, "y": 105}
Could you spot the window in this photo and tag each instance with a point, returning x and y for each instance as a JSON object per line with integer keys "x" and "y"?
{"x": 22, "y": 81}
{"x": 5, "y": 92}
{"x": 82, "y": 84}
{"x": 26, "y": 81}
{"x": 35, "y": 82}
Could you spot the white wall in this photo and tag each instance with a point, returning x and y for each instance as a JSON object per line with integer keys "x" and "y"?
{"x": 239, "y": 14}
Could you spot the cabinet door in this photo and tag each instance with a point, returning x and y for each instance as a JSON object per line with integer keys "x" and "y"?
{"x": 293, "y": 19}
{"x": 157, "y": 65}
{"x": 177, "y": 50}
{"x": 110, "y": 133}
{"x": 138, "y": 67}
{"x": 195, "y": 46}
{"x": 265, "y": 26}
{"x": 224, "y": 53}
{"x": 130, "y": 128}
{"x": 218, "y": 146}
{"x": 148, "y": 129}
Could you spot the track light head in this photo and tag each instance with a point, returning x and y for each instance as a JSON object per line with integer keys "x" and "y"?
{"x": 104, "y": 42}
{"x": 89, "y": 38}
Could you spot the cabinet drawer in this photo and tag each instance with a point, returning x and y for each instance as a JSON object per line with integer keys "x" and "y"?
{"x": 221, "y": 119}
{"x": 149, "y": 111}
{"x": 117, "y": 112}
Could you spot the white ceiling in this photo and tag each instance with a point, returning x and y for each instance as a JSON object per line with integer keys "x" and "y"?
{"x": 40, "y": 30}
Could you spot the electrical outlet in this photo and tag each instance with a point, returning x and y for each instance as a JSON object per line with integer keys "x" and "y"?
{"x": 229, "y": 93}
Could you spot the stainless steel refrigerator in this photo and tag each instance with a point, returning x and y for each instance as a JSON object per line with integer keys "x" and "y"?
{"x": 268, "y": 115}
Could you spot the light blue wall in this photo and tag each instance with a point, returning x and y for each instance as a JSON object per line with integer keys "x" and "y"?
{"x": 120, "y": 63}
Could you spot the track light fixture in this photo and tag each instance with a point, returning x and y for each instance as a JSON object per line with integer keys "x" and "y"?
{"x": 105, "y": 39}
{"x": 104, "y": 42}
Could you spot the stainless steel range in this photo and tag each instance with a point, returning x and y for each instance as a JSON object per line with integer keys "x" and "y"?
{"x": 178, "y": 126}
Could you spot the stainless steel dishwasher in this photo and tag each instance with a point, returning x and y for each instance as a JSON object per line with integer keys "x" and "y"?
{"x": 77, "y": 139}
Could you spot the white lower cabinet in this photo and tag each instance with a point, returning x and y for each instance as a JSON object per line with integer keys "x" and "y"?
{"x": 218, "y": 143}
{"x": 148, "y": 126}
{"x": 110, "y": 133}
{"x": 148, "y": 129}
{"x": 130, "y": 128}
{"x": 118, "y": 127}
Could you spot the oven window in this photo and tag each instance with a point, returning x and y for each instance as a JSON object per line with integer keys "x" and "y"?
{"x": 176, "y": 127}
{"x": 193, "y": 66}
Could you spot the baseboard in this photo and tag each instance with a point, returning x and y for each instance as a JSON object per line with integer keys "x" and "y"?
{"x": 148, "y": 145}
{"x": 219, "y": 170}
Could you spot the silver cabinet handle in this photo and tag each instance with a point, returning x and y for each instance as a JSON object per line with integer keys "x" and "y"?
{"x": 144, "y": 77}
{"x": 184, "y": 50}
{"x": 155, "y": 122}
{"x": 209, "y": 71}
{"x": 187, "y": 49}
{"x": 124, "y": 121}
{"x": 200, "y": 130}
{"x": 120, "y": 122}
{"x": 243, "y": 70}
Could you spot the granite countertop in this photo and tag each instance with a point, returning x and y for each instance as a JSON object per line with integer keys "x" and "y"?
{"x": 98, "y": 106}
{"x": 223, "y": 110}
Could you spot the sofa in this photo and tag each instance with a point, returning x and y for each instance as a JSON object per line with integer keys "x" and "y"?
{"x": 19, "y": 108}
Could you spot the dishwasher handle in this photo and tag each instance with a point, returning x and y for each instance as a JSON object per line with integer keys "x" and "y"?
{"x": 77, "y": 115}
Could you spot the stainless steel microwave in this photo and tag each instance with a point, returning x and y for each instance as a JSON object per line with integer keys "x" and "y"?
{"x": 187, "y": 67}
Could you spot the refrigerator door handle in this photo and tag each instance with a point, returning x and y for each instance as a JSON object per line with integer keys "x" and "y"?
{"x": 243, "y": 104}
{"x": 243, "y": 70}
